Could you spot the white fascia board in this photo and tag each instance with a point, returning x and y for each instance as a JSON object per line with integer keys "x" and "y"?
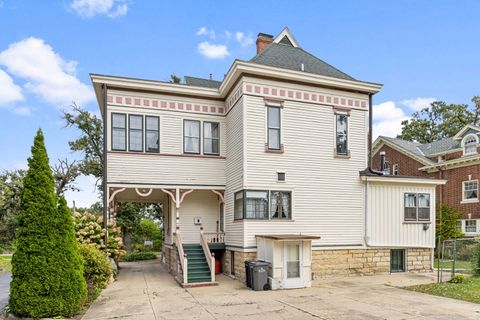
{"x": 403, "y": 180}
{"x": 240, "y": 67}
{"x": 151, "y": 85}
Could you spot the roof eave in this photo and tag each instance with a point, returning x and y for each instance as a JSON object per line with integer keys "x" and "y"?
{"x": 239, "y": 67}
{"x": 407, "y": 180}
{"x": 379, "y": 140}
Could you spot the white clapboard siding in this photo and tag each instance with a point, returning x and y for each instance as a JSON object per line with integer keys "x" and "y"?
{"x": 200, "y": 203}
{"x": 385, "y": 218}
{"x": 327, "y": 195}
{"x": 234, "y": 172}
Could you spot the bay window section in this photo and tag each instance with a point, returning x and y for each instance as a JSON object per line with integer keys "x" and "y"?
{"x": 119, "y": 134}
{"x": 256, "y": 204}
{"x": 191, "y": 136}
{"x": 273, "y": 140}
{"x": 211, "y": 138}
{"x": 280, "y": 205}
{"x": 262, "y": 204}
{"x": 341, "y": 140}
{"x": 152, "y": 134}
{"x": 135, "y": 133}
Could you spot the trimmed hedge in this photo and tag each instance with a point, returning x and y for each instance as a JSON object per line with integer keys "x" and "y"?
{"x": 97, "y": 270}
{"x": 137, "y": 256}
{"x": 47, "y": 271}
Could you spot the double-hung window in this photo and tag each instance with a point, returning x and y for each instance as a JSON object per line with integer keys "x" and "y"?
{"x": 341, "y": 136}
{"x": 191, "y": 136}
{"x": 211, "y": 138}
{"x": 274, "y": 128}
{"x": 470, "y": 190}
{"x": 470, "y": 225}
{"x": 152, "y": 134}
{"x": 135, "y": 132}
{"x": 417, "y": 207}
{"x": 262, "y": 204}
{"x": 119, "y": 131}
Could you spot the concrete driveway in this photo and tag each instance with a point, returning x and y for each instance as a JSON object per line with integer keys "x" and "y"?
{"x": 146, "y": 291}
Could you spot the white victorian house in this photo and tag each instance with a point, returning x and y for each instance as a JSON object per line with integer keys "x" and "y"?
{"x": 270, "y": 164}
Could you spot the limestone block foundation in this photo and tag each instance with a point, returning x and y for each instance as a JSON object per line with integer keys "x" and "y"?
{"x": 350, "y": 262}
{"x": 239, "y": 263}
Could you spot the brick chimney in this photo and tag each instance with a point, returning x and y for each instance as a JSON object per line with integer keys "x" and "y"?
{"x": 263, "y": 41}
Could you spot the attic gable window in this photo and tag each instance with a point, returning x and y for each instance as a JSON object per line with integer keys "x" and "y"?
{"x": 470, "y": 145}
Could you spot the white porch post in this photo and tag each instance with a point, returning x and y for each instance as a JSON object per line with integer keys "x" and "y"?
{"x": 177, "y": 208}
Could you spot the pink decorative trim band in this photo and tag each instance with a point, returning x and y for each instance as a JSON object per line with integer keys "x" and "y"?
{"x": 165, "y": 105}
{"x": 269, "y": 92}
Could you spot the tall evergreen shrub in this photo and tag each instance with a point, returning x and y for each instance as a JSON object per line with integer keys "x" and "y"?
{"x": 47, "y": 274}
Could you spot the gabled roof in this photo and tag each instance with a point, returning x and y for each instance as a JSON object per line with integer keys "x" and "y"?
{"x": 410, "y": 148}
{"x": 285, "y": 52}
{"x": 439, "y": 146}
{"x": 200, "y": 82}
{"x": 465, "y": 129}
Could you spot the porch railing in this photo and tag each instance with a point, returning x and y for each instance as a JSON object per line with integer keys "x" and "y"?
{"x": 208, "y": 255}
{"x": 182, "y": 256}
{"x": 214, "y": 237}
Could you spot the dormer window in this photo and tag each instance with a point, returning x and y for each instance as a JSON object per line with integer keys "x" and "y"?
{"x": 470, "y": 145}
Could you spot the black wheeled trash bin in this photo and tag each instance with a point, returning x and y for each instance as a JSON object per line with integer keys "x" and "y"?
{"x": 260, "y": 276}
{"x": 249, "y": 273}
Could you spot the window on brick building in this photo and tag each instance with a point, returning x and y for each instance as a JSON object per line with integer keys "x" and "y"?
{"x": 470, "y": 190}
{"x": 395, "y": 169}
{"x": 470, "y": 145}
{"x": 470, "y": 225}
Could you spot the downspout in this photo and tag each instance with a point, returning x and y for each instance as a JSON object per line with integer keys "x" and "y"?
{"x": 105, "y": 193}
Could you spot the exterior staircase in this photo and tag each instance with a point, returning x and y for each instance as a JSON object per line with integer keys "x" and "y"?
{"x": 198, "y": 270}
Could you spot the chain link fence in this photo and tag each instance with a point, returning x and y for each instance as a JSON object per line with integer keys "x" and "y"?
{"x": 457, "y": 256}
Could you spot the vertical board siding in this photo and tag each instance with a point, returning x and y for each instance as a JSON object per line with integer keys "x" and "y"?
{"x": 385, "y": 220}
{"x": 234, "y": 172}
{"x": 327, "y": 194}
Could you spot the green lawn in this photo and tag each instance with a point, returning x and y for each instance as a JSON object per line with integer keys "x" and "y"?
{"x": 5, "y": 263}
{"x": 467, "y": 291}
{"x": 447, "y": 266}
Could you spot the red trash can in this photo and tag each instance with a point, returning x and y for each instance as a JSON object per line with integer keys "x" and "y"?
{"x": 218, "y": 266}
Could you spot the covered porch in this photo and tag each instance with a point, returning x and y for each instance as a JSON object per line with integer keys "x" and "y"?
{"x": 193, "y": 226}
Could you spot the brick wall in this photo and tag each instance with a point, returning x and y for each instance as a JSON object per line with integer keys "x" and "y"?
{"x": 451, "y": 193}
{"x": 406, "y": 165}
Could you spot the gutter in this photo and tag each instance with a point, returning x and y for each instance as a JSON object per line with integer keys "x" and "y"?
{"x": 104, "y": 182}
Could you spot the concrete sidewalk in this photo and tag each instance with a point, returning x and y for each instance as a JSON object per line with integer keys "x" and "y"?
{"x": 4, "y": 289}
{"x": 145, "y": 290}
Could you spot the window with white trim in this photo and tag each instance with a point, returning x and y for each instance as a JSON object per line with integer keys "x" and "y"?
{"x": 417, "y": 207}
{"x": 470, "y": 225}
{"x": 341, "y": 134}
{"x": 470, "y": 190}
{"x": 119, "y": 131}
{"x": 386, "y": 168}
{"x": 395, "y": 169}
{"x": 273, "y": 128}
{"x": 470, "y": 145}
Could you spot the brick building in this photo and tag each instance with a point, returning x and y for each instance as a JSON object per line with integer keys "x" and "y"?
{"x": 455, "y": 159}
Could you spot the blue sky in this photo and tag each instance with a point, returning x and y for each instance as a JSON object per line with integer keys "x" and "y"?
{"x": 420, "y": 51}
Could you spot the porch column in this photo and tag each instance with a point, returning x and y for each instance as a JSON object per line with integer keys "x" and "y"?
{"x": 177, "y": 208}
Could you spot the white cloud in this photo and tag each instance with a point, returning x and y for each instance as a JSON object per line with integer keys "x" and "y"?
{"x": 90, "y": 8}
{"x": 244, "y": 40}
{"x": 418, "y": 104}
{"x": 204, "y": 31}
{"x": 22, "y": 111}
{"x": 387, "y": 118}
{"x": 213, "y": 51}
{"x": 9, "y": 91}
{"x": 45, "y": 72}
{"x": 228, "y": 34}
{"x": 88, "y": 194}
